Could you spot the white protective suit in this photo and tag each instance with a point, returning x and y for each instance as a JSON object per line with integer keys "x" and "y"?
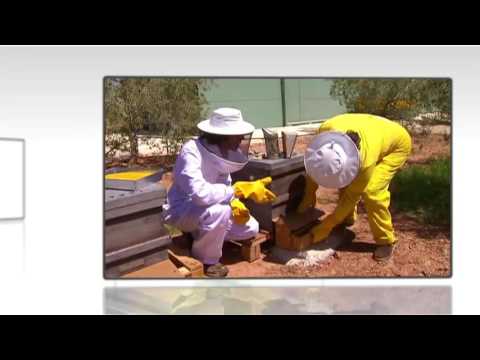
{"x": 199, "y": 199}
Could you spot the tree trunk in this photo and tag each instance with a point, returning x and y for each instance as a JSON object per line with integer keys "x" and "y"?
{"x": 133, "y": 147}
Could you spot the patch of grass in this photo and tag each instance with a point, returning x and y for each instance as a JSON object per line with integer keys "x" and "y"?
{"x": 424, "y": 191}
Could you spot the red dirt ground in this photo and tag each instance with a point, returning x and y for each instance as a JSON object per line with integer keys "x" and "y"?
{"x": 422, "y": 251}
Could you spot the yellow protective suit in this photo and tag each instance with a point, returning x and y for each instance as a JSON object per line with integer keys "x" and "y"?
{"x": 384, "y": 148}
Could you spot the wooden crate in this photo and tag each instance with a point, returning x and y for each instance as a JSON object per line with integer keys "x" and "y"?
{"x": 176, "y": 266}
{"x": 192, "y": 267}
{"x": 295, "y": 224}
{"x": 251, "y": 248}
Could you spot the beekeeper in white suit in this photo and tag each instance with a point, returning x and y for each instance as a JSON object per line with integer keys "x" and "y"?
{"x": 202, "y": 200}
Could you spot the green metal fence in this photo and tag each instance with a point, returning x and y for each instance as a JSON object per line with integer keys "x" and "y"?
{"x": 276, "y": 102}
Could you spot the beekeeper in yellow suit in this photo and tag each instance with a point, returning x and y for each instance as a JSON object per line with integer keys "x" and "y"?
{"x": 358, "y": 154}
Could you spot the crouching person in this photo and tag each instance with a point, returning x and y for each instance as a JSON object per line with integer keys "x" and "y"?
{"x": 202, "y": 200}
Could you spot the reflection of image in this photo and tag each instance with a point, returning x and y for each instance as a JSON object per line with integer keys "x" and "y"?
{"x": 260, "y": 178}
{"x": 289, "y": 301}
{"x": 12, "y": 179}
{"x": 211, "y": 301}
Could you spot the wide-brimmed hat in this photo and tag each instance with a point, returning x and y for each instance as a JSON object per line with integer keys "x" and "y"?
{"x": 332, "y": 160}
{"x": 226, "y": 121}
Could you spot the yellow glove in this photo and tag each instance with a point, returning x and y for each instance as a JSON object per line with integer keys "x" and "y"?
{"x": 240, "y": 212}
{"x": 255, "y": 190}
{"x": 309, "y": 198}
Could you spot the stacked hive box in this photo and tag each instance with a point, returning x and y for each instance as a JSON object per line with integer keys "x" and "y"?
{"x": 134, "y": 232}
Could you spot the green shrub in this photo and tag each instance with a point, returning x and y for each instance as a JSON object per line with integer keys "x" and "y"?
{"x": 424, "y": 191}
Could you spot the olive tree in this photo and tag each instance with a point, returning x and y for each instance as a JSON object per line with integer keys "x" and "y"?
{"x": 399, "y": 99}
{"x": 165, "y": 108}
